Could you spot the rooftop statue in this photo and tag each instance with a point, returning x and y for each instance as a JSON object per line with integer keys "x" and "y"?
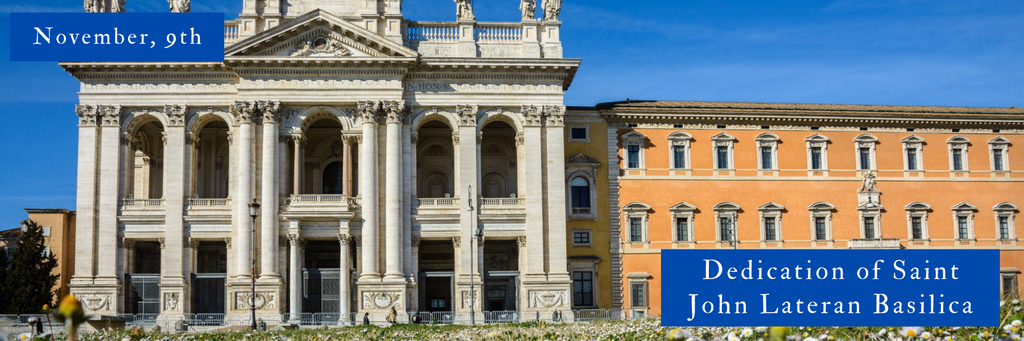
{"x": 180, "y": 6}
{"x": 464, "y": 10}
{"x": 551, "y": 9}
{"x": 529, "y": 8}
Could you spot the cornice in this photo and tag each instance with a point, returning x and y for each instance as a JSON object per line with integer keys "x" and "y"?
{"x": 776, "y": 118}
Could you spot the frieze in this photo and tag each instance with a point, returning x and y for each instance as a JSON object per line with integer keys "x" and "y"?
{"x": 158, "y": 87}
{"x": 320, "y": 226}
{"x": 547, "y": 298}
{"x": 382, "y": 300}
{"x": 481, "y": 87}
{"x": 95, "y": 302}
{"x": 319, "y": 84}
{"x": 142, "y": 228}
{"x": 210, "y": 228}
{"x": 264, "y": 300}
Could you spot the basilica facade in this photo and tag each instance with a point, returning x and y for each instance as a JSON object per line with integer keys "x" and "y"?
{"x": 395, "y": 164}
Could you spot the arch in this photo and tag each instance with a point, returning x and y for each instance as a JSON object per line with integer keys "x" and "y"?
{"x": 636, "y": 206}
{"x": 427, "y": 186}
{"x": 1004, "y": 206}
{"x": 202, "y": 118}
{"x": 136, "y": 118}
{"x": 726, "y": 206}
{"x": 767, "y": 137}
{"x": 424, "y": 116}
{"x": 822, "y": 206}
{"x": 325, "y": 147}
{"x": 426, "y": 148}
{"x": 496, "y": 143}
{"x": 580, "y": 188}
{"x": 302, "y": 119}
{"x": 494, "y": 183}
{"x": 331, "y": 177}
{"x": 917, "y": 206}
{"x": 958, "y": 139}
{"x": 865, "y": 138}
{"x": 499, "y": 114}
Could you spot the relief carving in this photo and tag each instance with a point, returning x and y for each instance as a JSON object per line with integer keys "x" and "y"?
{"x": 96, "y": 302}
{"x": 467, "y": 114}
{"x": 110, "y": 114}
{"x": 264, "y": 300}
{"x": 382, "y": 300}
{"x": 86, "y": 114}
{"x": 171, "y": 300}
{"x": 175, "y": 114}
{"x": 547, "y": 298}
{"x": 320, "y": 47}
{"x": 531, "y": 115}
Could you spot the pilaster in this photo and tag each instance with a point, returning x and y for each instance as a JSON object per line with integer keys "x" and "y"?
{"x": 85, "y": 223}
{"x": 534, "y": 193}
{"x": 368, "y": 112}
{"x": 271, "y": 111}
{"x": 172, "y": 280}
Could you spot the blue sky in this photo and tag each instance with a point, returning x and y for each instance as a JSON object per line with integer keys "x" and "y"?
{"x": 935, "y": 52}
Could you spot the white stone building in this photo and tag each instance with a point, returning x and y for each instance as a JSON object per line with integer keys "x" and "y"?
{"x": 366, "y": 138}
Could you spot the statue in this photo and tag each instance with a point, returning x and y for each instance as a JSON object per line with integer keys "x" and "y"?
{"x": 551, "y": 9}
{"x": 180, "y": 6}
{"x": 90, "y": 6}
{"x": 117, "y": 6}
{"x": 464, "y": 10}
{"x": 529, "y": 8}
{"x": 868, "y": 183}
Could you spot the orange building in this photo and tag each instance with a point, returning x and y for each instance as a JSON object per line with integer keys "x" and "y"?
{"x": 689, "y": 174}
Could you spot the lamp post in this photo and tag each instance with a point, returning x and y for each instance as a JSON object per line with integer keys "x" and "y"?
{"x": 254, "y": 210}
{"x": 472, "y": 286}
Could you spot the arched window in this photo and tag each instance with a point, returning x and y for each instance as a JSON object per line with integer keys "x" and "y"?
{"x": 332, "y": 181}
{"x": 580, "y": 192}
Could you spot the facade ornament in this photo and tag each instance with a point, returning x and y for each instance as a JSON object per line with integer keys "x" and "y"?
{"x": 193, "y": 244}
{"x": 521, "y": 241}
{"x": 289, "y": 114}
{"x": 531, "y": 115}
{"x": 192, "y": 139}
{"x": 456, "y": 241}
{"x": 344, "y": 239}
{"x": 110, "y": 115}
{"x": 117, "y": 6}
{"x": 554, "y": 115}
{"x": 175, "y": 114}
{"x": 243, "y": 111}
{"x": 467, "y": 114}
{"x": 868, "y": 183}
{"x": 413, "y": 137}
{"x": 320, "y": 47}
{"x": 128, "y": 244}
{"x": 162, "y": 243}
{"x": 415, "y": 241}
{"x": 552, "y": 8}
{"x": 271, "y": 110}
{"x": 464, "y": 10}
{"x": 529, "y": 8}
{"x": 294, "y": 239}
{"x": 227, "y": 241}
{"x": 368, "y": 110}
{"x": 180, "y": 6}
{"x": 455, "y": 139}
{"x": 520, "y": 140}
{"x": 86, "y": 114}
{"x": 395, "y": 111}
{"x": 171, "y": 300}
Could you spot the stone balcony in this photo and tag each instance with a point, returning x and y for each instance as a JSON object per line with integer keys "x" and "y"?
{"x": 142, "y": 207}
{"x": 319, "y": 206}
{"x": 883, "y": 243}
{"x": 208, "y": 207}
{"x": 529, "y": 39}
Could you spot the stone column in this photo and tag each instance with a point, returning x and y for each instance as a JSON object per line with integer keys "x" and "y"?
{"x": 243, "y": 113}
{"x": 534, "y": 193}
{"x": 346, "y": 173}
{"x": 467, "y": 169}
{"x": 345, "y": 280}
{"x": 554, "y": 128}
{"x": 368, "y": 189}
{"x": 172, "y": 281}
{"x": 409, "y": 161}
{"x": 297, "y": 164}
{"x": 110, "y": 139}
{"x": 395, "y": 111}
{"x": 85, "y": 223}
{"x": 294, "y": 279}
{"x": 268, "y": 209}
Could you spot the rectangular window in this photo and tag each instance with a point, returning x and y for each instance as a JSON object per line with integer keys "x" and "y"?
{"x": 1010, "y": 286}
{"x": 961, "y": 227}
{"x": 581, "y": 237}
{"x": 769, "y": 228}
{"x": 679, "y": 157}
{"x": 578, "y": 133}
{"x": 916, "y": 229}
{"x": 815, "y": 157}
{"x": 1004, "y": 227}
{"x": 869, "y": 227}
{"x": 583, "y": 288}
{"x": 638, "y": 294}
{"x": 682, "y": 229}
{"x": 766, "y": 158}
{"x": 722, "y": 157}
{"x": 865, "y": 158}
{"x": 725, "y": 229}
{"x": 911, "y": 158}
{"x": 997, "y": 159}
{"x": 636, "y": 233}
{"x": 958, "y": 163}
{"x": 633, "y": 156}
{"x": 819, "y": 228}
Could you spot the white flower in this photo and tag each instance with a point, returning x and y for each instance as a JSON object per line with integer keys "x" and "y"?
{"x": 761, "y": 329}
{"x": 810, "y": 339}
{"x": 926, "y": 335}
{"x": 733, "y": 337}
{"x": 25, "y": 336}
{"x": 911, "y": 331}
{"x": 1007, "y": 328}
{"x": 1002, "y": 303}
{"x": 747, "y": 332}
{"x": 1015, "y": 301}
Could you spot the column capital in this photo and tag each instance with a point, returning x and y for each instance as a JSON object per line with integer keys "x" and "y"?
{"x": 193, "y": 243}
{"x": 368, "y": 110}
{"x": 175, "y": 114}
{"x": 86, "y": 114}
{"x": 344, "y": 239}
{"x": 271, "y": 111}
{"x": 110, "y": 114}
{"x": 228, "y": 242}
{"x": 162, "y": 243}
{"x": 295, "y": 240}
{"x": 395, "y": 111}
{"x": 297, "y": 137}
{"x": 467, "y": 114}
{"x": 554, "y": 115}
{"x": 521, "y": 241}
{"x": 243, "y": 111}
{"x": 128, "y": 244}
{"x": 520, "y": 139}
{"x": 457, "y": 241}
{"x": 531, "y": 115}
{"x": 192, "y": 138}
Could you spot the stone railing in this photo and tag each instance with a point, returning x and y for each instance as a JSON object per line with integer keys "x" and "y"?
{"x": 230, "y": 32}
{"x": 317, "y": 198}
{"x": 581, "y": 211}
{"x": 503, "y": 202}
{"x": 208, "y": 203}
{"x": 884, "y": 243}
{"x": 142, "y": 203}
{"x": 437, "y": 201}
{"x": 531, "y": 39}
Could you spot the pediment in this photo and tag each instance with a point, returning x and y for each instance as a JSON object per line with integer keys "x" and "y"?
{"x": 582, "y": 160}
{"x": 319, "y": 34}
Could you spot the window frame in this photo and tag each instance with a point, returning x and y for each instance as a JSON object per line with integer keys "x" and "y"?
{"x": 641, "y": 280}
{"x": 869, "y": 142}
{"x": 682, "y": 140}
{"x": 966, "y": 211}
{"x": 581, "y": 166}
{"x": 771, "y": 141}
{"x": 638, "y": 140}
{"x": 1005, "y": 210}
{"x": 917, "y": 144}
{"x": 683, "y": 210}
{"x": 590, "y": 237}
{"x": 1011, "y": 275}
{"x": 593, "y": 288}
{"x": 824, "y": 210}
{"x": 727, "y": 210}
{"x": 961, "y": 144}
{"x": 771, "y": 210}
{"x": 636, "y": 210}
{"x": 870, "y": 211}
{"x": 1003, "y": 145}
{"x": 918, "y": 210}
{"x": 821, "y": 143}
{"x": 727, "y": 141}
{"x": 586, "y": 132}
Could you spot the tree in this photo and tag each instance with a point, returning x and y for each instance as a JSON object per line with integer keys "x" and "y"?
{"x": 3, "y": 278}
{"x": 30, "y": 280}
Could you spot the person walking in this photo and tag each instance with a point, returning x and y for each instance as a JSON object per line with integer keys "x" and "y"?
{"x": 392, "y": 316}
{"x": 366, "y": 318}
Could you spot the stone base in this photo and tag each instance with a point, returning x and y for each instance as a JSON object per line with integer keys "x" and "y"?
{"x": 269, "y": 301}
{"x": 377, "y": 299}
{"x": 99, "y": 299}
{"x": 544, "y": 299}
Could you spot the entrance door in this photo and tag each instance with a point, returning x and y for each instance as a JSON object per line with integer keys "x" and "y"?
{"x": 144, "y": 295}
{"x": 437, "y": 294}
{"x": 208, "y": 298}
{"x": 320, "y": 294}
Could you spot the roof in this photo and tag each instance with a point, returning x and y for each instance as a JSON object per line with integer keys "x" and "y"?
{"x": 48, "y": 210}
{"x": 14, "y": 233}
{"x": 833, "y": 113}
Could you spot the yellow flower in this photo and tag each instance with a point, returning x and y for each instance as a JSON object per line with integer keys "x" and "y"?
{"x": 69, "y": 306}
{"x": 778, "y": 333}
